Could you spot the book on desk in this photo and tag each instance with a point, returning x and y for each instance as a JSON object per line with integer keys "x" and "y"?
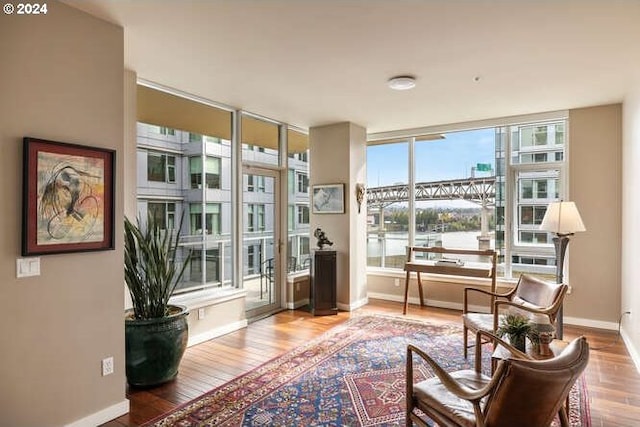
{"x": 453, "y": 262}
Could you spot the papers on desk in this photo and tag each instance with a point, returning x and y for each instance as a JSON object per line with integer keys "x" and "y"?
{"x": 450, "y": 262}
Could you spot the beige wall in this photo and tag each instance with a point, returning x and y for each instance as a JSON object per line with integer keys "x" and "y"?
{"x": 333, "y": 160}
{"x": 62, "y": 80}
{"x": 595, "y": 184}
{"x": 357, "y": 220}
{"x": 593, "y": 256}
{"x": 630, "y": 224}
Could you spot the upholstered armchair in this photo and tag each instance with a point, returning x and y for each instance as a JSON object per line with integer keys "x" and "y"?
{"x": 521, "y": 392}
{"x": 531, "y": 297}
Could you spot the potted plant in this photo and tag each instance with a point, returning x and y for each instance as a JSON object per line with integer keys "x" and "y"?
{"x": 517, "y": 328}
{"x": 156, "y": 333}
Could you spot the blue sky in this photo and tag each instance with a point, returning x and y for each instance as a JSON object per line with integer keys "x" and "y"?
{"x": 448, "y": 158}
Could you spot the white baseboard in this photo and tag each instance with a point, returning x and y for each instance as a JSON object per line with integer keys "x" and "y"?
{"x": 633, "y": 352}
{"x": 214, "y": 333}
{"x": 297, "y": 304}
{"x": 577, "y": 321}
{"x": 428, "y": 302}
{"x": 101, "y": 417}
{"x": 353, "y": 306}
{"x": 589, "y": 323}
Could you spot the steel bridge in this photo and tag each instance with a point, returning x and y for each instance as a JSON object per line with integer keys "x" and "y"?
{"x": 478, "y": 190}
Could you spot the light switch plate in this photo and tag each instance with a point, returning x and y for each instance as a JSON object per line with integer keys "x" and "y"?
{"x": 26, "y": 267}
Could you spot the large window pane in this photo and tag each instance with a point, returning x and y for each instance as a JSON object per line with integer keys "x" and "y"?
{"x": 298, "y": 203}
{"x": 173, "y": 160}
{"x": 455, "y": 190}
{"x": 463, "y": 197}
{"x": 387, "y": 207}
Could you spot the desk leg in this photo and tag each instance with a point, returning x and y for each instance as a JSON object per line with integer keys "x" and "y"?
{"x": 406, "y": 293}
{"x": 420, "y": 290}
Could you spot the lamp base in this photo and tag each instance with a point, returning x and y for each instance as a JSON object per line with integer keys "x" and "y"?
{"x": 560, "y": 243}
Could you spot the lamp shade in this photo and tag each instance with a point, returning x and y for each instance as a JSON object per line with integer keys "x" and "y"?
{"x": 562, "y": 218}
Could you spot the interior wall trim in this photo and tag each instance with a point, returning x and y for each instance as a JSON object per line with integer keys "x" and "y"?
{"x": 102, "y": 416}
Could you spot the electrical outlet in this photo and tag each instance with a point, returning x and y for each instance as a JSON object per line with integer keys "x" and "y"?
{"x": 396, "y": 282}
{"x": 201, "y": 313}
{"x": 107, "y": 366}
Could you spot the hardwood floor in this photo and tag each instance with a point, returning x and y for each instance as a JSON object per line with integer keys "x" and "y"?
{"x": 613, "y": 381}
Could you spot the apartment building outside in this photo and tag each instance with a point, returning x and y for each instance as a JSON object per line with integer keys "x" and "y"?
{"x": 185, "y": 178}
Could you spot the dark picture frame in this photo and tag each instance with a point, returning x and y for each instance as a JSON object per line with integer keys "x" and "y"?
{"x": 327, "y": 199}
{"x": 68, "y": 198}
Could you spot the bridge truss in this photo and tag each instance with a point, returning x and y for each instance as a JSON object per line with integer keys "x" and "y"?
{"x": 478, "y": 190}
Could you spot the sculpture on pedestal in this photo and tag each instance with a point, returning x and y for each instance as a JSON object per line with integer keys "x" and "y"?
{"x": 322, "y": 238}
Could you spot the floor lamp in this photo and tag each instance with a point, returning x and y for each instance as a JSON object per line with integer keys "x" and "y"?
{"x": 563, "y": 220}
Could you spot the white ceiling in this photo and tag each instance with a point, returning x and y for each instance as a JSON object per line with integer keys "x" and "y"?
{"x": 315, "y": 62}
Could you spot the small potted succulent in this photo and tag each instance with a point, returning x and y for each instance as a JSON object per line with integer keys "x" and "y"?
{"x": 517, "y": 328}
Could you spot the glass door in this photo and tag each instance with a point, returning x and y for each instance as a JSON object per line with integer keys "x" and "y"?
{"x": 261, "y": 246}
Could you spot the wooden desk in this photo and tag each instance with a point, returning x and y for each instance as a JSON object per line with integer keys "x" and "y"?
{"x": 469, "y": 269}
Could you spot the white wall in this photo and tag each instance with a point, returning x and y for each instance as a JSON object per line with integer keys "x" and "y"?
{"x": 62, "y": 80}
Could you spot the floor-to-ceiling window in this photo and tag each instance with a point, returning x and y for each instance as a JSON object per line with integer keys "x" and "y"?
{"x": 388, "y": 206}
{"x": 187, "y": 169}
{"x": 261, "y": 208}
{"x": 298, "y": 201}
{"x": 479, "y": 188}
{"x": 184, "y": 180}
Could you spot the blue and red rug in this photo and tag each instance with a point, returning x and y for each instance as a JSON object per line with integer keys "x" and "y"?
{"x": 351, "y": 376}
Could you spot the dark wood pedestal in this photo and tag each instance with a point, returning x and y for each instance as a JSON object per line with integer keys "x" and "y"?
{"x": 323, "y": 298}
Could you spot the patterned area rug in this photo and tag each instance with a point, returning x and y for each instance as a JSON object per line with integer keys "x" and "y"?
{"x": 353, "y": 375}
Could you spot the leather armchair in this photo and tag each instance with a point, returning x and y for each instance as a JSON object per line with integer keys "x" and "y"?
{"x": 532, "y": 297}
{"x": 521, "y": 392}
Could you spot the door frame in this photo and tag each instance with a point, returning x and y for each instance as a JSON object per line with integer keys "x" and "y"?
{"x": 276, "y": 305}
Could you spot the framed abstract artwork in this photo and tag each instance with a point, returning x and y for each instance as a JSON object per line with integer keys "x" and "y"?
{"x": 328, "y": 199}
{"x": 68, "y": 200}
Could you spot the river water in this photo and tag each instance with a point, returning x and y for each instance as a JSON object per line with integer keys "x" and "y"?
{"x": 395, "y": 243}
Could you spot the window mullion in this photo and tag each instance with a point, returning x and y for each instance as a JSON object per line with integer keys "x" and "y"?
{"x": 411, "y": 192}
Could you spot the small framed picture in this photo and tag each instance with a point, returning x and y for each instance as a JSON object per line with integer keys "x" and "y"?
{"x": 68, "y": 200}
{"x": 328, "y": 199}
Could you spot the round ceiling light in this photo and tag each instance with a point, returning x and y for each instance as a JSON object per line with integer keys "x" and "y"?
{"x": 402, "y": 82}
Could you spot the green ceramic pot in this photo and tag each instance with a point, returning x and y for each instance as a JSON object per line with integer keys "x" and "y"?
{"x": 154, "y": 347}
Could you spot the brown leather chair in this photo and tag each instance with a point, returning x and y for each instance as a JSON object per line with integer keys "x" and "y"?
{"x": 538, "y": 299}
{"x": 521, "y": 392}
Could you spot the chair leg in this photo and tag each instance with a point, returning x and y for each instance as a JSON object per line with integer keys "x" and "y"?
{"x": 406, "y": 293}
{"x": 420, "y": 290}
{"x": 465, "y": 333}
{"x": 564, "y": 419}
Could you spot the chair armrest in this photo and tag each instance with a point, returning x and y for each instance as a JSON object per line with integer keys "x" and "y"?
{"x": 548, "y": 311}
{"x": 453, "y": 386}
{"x": 465, "y": 308}
{"x": 496, "y": 340}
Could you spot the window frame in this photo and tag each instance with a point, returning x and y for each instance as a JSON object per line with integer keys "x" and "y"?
{"x": 509, "y": 170}
{"x": 168, "y": 169}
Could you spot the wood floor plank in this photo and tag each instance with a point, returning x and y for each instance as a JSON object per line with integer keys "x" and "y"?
{"x": 613, "y": 381}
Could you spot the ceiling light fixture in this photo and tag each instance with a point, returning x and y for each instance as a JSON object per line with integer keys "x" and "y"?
{"x": 402, "y": 82}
